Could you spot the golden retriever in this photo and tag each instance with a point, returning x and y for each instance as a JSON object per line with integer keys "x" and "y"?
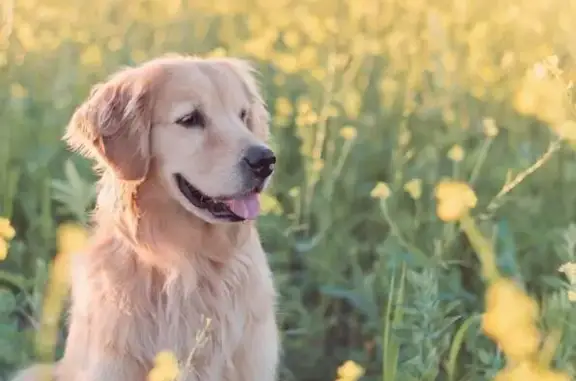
{"x": 180, "y": 146}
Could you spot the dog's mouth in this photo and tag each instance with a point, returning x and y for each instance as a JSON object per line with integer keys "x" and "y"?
{"x": 244, "y": 206}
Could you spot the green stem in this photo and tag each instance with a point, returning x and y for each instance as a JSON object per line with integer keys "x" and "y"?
{"x": 482, "y": 247}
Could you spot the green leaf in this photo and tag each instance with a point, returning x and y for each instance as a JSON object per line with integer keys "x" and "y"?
{"x": 456, "y": 345}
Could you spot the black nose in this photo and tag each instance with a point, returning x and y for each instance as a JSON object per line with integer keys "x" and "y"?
{"x": 260, "y": 160}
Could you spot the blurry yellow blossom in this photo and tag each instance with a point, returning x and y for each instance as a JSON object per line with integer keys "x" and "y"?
{"x": 381, "y": 191}
{"x": 490, "y": 128}
{"x": 304, "y": 105}
{"x": 291, "y": 38}
{"x": 3, "y": 249}
{"x": 308, "y": 57}
{"x": 283, "y": 106}
{"x": 541, "y": 96}
{"x": 566, "y": 130}
{"x": 510, "y": 319}
{"x": 294, "y": 192}
{"x": 414, "y": 188}
{"x": 115, "y": 44}
{"x": 456, "y": 153}
{"x": 507, "y": 60}
{"x": 165, "y": 367}
{"x": 71, "y": 237}
{"x": 308, "y": 118}
{"x": 139, "y": 55}
{"x": 318, "y": 73}
{"x": 529, "y": 371}
{"x": 270, "y": 204}
{"x": 18, "y": 91}
{"x": 348, "y": 132}
{"x": 332, "y": 111}
{"x": 91, "y": 56}
{"x": 525, "y": 102}
{"x": 350, "y": 371}
{"x": 552, "y": 61}
{"x": 352, "y": 101}
{"x": 288, "y": 63}
{"x": 7, "y": 232}
{"x": 454, "y": 200}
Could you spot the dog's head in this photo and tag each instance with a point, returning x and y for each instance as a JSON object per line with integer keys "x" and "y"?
{"x": 202, "y": 121}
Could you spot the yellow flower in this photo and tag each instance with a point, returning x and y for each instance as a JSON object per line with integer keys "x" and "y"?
{"x": 414, "y": 188}
{"x": 18, "y": 91}
{"x": 350, "y": 371}
{"x": 505, "y": 293}
{"x": 455, "y": 199}
{"x": 91, "y": 56}
{"x": 283, "y": 106}
{"x": 165, "y": 367}
{"x": 291, "y": 38}
{"x": 3, "y": 249}
{"x": 381, "y": 191}
{"x": 566, "y": 130}
{"x": 529, "y": 371}
{"x": 6, "y": 230}
{"x": 490, "y": 128}
{"x": 71, "y": 238}
{"x": 348, "y": 133}
{"x": 456, "y": 153}
{"x": 510, "y": 319}
{"x": 520, "y": 342}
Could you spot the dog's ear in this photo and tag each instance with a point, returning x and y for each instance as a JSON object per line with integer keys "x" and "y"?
{"x": 258, "y": 117}
{"x": 113, "y": 125}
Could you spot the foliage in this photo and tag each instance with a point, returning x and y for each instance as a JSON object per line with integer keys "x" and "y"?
{"x": 374, "y": 102}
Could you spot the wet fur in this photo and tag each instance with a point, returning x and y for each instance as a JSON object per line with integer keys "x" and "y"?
{"x": 154, "y": 272}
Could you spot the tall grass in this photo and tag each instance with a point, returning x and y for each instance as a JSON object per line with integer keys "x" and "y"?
{"x": 398, "y": 92}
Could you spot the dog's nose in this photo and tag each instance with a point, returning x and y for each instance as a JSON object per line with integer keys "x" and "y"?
{"x": 260, "y": 160}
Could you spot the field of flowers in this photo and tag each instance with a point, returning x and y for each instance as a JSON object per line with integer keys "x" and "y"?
{"x": 422, "y": 222}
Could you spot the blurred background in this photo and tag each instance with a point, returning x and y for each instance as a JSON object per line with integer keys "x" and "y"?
{"x": 373, "y": 103}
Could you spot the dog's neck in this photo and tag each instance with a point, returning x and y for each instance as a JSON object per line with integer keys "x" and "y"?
{"x": 159, "y": 230}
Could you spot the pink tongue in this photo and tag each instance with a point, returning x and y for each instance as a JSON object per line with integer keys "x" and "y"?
{"x": 247, "y": 207}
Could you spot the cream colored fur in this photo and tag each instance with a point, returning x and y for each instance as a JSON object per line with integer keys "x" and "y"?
{"x": 158, "y": 268}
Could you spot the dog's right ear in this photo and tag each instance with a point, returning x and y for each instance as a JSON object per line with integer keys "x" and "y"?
{"x": 113, "y": 125}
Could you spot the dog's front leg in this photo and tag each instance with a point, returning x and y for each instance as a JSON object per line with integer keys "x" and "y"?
{"x": 258, "y": 355}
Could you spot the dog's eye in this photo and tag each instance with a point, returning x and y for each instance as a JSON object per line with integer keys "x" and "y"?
{"x": 243, "y": 114}
{"x": 194, "y": 119}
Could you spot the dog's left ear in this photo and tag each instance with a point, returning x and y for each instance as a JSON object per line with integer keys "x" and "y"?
{"x": 258, "y": 117}
{"x": 113, "y": 125}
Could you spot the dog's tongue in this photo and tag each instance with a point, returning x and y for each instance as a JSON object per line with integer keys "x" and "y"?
{"x": 247, "y": 207}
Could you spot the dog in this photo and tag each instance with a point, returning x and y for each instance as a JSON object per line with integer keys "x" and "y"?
{"x": 180, "y": 147}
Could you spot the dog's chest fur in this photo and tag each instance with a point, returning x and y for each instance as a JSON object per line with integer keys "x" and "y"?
{"x": 201, "y": 312}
